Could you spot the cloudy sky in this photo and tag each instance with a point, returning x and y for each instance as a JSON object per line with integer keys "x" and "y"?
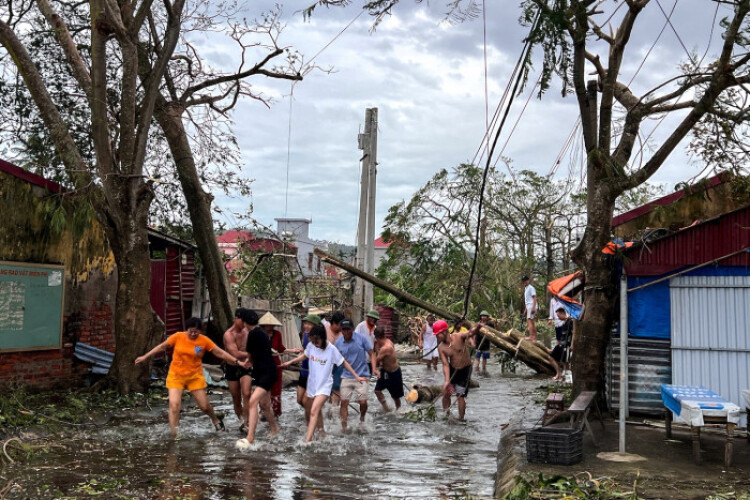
{"x": 426, "y": 77}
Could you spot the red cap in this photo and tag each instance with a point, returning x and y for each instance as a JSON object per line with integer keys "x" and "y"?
{"x": 439, "y": 327}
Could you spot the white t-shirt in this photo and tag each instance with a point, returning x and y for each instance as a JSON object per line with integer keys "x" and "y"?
{"x": 429, "y": 340}
{"x": 363, "y": 329}
{"x": 321, "y": 362}
{"x": 528, "y": 296}
{"x": 554, "y": 305}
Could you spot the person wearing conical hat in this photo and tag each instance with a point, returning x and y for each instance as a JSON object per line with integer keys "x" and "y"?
{"x": 483, "y": 344}
{"x": 271, "y": 325}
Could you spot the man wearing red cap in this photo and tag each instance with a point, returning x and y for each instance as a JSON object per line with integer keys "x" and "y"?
{"x": 454, "y": 354}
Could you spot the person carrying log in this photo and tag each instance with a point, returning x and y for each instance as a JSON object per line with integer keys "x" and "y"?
{"x": 454, "y": 354}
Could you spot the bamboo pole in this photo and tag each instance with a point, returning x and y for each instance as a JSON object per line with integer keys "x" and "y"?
{"x": 533, "y": 354}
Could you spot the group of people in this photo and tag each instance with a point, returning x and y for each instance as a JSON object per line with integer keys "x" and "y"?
{"x": 336, "y": 363}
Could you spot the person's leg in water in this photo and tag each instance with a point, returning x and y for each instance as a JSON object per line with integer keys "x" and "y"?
{"x": 447, "y": 400}
{"x": 485, "y": 355}
{"x": 235, "y": 389}
{"x": 316, "y": 415}
{"x": 175, "y": 405}
{"x": 246, "y": 385}
{"x": 201, "y": 398}
{"x": 260, "y": 397}
{"x": 344, "y": 414}
{"x": 478, "y": 356}
{"x": 302, "y": 400}
{"x": 362, "y": 410}
{"x": 381, "y": 397}
{"x": 461, "y": 407}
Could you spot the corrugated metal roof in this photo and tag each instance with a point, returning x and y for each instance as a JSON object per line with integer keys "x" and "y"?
{"x": 694, "y": 245}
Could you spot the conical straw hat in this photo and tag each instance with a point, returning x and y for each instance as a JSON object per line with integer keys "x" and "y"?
{"x": 269, "y": 319}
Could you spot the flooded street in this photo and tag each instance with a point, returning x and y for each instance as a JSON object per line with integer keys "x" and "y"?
{"x": 393, "y": 456}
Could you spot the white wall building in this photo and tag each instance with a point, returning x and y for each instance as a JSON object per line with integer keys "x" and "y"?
{"x": 297, "y": 231}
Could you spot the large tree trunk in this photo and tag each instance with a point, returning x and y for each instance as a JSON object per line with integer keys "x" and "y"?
{"x": 600, "y": 294}
{"x": 137, "y": 327}
{"x": 169, "y": 117}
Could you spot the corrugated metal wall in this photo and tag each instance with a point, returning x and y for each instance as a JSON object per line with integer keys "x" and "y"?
{"x": 648, "y": 367}
{"x": 711, "y": 334}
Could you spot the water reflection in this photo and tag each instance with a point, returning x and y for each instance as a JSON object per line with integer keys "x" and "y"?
{"x": 392, "y": 457}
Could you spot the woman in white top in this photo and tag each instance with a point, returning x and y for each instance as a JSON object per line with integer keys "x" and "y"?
{"x": 322, "y": 357}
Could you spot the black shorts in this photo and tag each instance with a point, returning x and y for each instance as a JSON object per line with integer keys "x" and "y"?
{"x": 234, "y": 373}
{"x": 558, "y": 353}
{"x": 393, "y": 381}
{"x": 302, "y": 381}
{"x": 265, "y": 378}
{"x": 460, "y": 379}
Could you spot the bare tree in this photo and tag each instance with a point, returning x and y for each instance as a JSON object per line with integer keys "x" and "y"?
{"x": 115, "y": 182}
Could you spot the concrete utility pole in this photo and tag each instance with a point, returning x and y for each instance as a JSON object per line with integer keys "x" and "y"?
{"x": 368, "y": 142}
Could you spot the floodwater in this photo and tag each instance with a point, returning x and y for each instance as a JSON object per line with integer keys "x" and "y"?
{"x": 392, "y": 457}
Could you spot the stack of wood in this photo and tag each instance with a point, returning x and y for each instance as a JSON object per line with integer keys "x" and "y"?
{"x": 429, "y": 393}
{"x": 533, "y": 354}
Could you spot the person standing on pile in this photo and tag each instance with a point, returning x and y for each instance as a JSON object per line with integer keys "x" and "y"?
{"x": 239, "y": 379}
{"x": 357, "y": 351}
{"x": 367, "y": 327}
{"x": 529, "y": 298}
{"x": 428, "y": 343}
{"x": 270, "y": 325}
{"x": 390, "y": 372}
{"x": 186, "y": 371}
{"x": 454, "y": 354}
{"x": 483, "y": 343}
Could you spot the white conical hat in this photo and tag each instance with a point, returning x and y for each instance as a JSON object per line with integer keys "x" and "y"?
{"x": 269, "y": 319}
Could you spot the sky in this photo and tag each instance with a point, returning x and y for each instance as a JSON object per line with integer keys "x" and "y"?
{"x": 426, "y": 77}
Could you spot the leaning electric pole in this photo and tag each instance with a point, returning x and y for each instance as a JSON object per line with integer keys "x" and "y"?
{"x": 368, "y": 143}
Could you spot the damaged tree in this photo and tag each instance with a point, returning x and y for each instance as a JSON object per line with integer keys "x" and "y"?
{"x": 532, "y": 354}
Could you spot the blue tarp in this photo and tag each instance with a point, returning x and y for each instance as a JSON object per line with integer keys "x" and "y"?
{"x": 649, "y": 308}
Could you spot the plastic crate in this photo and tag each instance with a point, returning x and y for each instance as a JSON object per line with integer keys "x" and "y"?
{"x": 550, "y": 445}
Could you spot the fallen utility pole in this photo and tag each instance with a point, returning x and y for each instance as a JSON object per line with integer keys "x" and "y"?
{"x": 532, "y": 354}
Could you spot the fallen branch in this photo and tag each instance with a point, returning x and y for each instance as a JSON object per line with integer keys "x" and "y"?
{"x": 533, "y": 354}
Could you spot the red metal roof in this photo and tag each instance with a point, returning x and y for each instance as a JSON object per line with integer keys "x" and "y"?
{"x": 235, "y": 237}
{"x": 693, "y": 245}
{"x": 31, "y": 177}
{"x": 664, "y": 200}
{"x": 379, "y": 243}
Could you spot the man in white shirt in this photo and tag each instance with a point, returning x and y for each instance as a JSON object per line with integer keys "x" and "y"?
{"x": 367, "y": 327}
{"x": 554, "y": 305}
{"x": 529, "y": 298}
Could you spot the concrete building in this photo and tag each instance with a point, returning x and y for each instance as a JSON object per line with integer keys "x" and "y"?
{"x": 297, "y": 232}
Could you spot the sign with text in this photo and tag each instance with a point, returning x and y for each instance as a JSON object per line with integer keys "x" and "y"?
{"x": 31, "y": 302}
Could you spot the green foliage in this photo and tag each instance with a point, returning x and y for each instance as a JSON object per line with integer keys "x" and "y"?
{"x": 568, "y": 488}
{"x": 424, "y": 414}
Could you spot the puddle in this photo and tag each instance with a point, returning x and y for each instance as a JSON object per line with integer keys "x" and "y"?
{"x": 392, "y": 456}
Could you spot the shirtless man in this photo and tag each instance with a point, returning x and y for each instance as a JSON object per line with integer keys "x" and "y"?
{"x": 390, "y": 372}
{"x": 454, "y": 354}
{"x": 238, "y": 378}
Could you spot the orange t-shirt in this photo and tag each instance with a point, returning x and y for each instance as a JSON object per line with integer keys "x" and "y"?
{"x": 188, "y": 354}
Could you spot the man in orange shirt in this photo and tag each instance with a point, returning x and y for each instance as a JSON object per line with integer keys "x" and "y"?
{"x": 186, "y": 371}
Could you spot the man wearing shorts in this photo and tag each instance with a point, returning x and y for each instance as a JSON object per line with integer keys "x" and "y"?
{"x": 428, "y": 343}
{"x": 529, "y": 299}
{"x": 357, "y": 351}
{"x": 238, "y": 378}
{"x": 483, "y": 344}
{"x": 454, "y": 354}
{"x": 390, "y": 372}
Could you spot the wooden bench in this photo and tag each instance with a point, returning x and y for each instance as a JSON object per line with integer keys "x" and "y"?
{"x": 579, "y": 412}
{"x": 553, "y": 406}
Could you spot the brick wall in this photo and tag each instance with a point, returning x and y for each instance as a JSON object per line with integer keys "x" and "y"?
{"x": 40, "y": 369}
